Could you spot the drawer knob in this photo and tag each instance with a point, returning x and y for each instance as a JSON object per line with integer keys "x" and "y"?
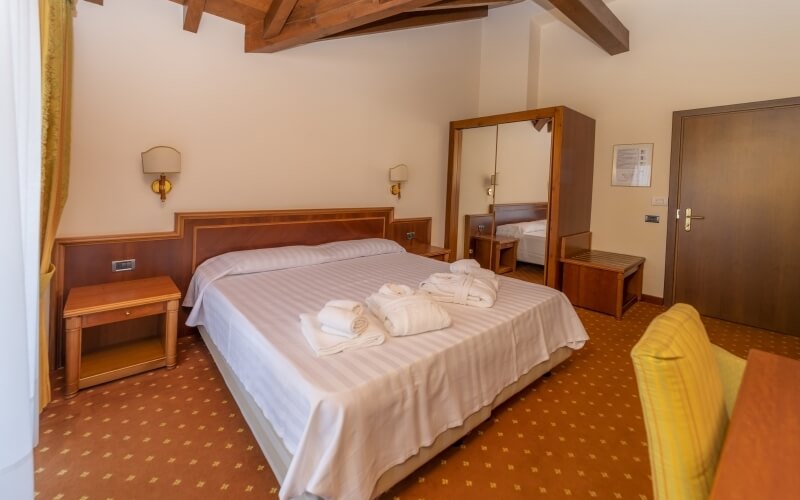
{"x": 127, "y": 313}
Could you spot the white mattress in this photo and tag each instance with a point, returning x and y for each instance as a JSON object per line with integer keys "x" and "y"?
{"x": 532, "y": 240}
{"x": 348, "y": 418}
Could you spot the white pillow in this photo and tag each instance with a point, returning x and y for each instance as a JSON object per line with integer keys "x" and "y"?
{"x": 352, "y": 249}
{"x": 517, "y": 229}
{"x": 273, "y": 259}
{"x": 510, "y": 230}
{"x": 534, "y": 226}
{"x": 250, "y": 261}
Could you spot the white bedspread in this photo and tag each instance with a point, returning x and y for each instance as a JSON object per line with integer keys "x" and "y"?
{"x": 532, "y": 237}
{"x": 348, "y": 418}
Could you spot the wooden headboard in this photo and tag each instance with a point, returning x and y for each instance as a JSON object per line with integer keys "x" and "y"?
{"x": 198, "y": 236}
{"x": 509, "y": 213}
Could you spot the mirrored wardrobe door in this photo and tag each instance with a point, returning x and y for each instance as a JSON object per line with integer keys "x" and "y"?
{"x": 478, "y": 151}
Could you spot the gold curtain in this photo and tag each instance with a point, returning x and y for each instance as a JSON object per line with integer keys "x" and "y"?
{"x": 55, "y": 23}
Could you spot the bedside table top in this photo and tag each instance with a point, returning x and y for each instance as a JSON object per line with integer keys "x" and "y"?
{"x": 109, "y": 296}
{"x": 499, "y": 239}
{"x": 425, "y": 249}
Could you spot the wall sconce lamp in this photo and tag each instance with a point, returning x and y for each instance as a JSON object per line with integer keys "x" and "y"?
{"x": 492, "y": 184}
{"x": 398, "y": 175}
{"x": 161, "y": 160}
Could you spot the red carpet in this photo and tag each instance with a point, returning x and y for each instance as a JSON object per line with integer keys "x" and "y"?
{"x": 178, "y": 434}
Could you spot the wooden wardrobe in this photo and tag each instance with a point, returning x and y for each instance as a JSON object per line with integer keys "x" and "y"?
{"x": 571, "y": 172}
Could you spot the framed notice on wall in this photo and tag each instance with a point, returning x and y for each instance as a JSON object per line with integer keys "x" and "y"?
{"x": 633, "y": 165}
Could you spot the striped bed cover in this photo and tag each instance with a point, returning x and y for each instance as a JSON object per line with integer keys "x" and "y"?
{"x": 348, "y": 418}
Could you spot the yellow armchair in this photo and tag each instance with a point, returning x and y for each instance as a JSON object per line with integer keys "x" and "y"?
{"x": 687, "y": 387}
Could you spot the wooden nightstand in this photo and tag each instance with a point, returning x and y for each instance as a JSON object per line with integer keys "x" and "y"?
{"x": 426, "y": 250}
{"x": 96, "y": 305}
{"x": 503, "y": 252}
{"x": 603, "y": 281}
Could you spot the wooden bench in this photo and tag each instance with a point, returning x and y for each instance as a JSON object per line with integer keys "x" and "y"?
{"x": 601, "y": 281}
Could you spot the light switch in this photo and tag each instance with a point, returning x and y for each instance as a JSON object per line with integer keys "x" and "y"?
{"x": 659, "y": 201}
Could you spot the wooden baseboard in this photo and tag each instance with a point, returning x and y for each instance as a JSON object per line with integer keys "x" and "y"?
{"x": 652, "y": 299}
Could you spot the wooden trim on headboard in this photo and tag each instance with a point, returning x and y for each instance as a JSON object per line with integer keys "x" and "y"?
{"x": 198, "y": 236}
{"x": 510, "y": 213}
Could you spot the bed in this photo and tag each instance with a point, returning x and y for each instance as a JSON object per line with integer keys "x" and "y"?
{"x": 354, "y": 424}
{"x": 527, "y": 222}
{"x": 201, "y": 236}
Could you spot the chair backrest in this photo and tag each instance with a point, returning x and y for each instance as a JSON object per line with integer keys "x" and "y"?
{"x": 682, "y": 399}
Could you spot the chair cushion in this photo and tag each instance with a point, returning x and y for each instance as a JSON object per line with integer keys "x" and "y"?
{"x": 683, "y": 404}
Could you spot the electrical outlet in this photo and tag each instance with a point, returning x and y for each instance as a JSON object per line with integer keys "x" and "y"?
{"x": 481, "y": 227}
{"x": 123, "y": 265}
{"x": 411, "y": 235}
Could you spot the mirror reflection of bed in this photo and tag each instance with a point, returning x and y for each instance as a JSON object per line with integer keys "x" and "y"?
{"x": 505, "y": 172}
{"x": 527, "y": 223}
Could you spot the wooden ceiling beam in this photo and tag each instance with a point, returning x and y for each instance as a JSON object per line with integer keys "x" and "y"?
{"x": 460, "y": 4}
{"x": 416, "y": 20}
{"x": 351, "y": 14}
{"x": 598, "y": 22}
{"x": 192, "y": 13}
{"x": 276, "y": 16}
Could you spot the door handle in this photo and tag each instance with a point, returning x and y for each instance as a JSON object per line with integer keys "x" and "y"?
{"x": 687, "y": 224}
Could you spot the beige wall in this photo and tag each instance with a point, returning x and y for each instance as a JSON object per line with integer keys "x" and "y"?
{"x": 505, "y": 59}
{"x": 315, "y": 126}
{"x": 684, "y": 54}
{"x": 523, "y": 163}
{"x": 477, "y": 166}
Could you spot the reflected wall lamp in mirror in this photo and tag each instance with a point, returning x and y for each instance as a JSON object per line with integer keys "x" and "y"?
{"x": 398, "y": 175}
{"x": 161, "y": 160}
{"x": 492, "y": 183}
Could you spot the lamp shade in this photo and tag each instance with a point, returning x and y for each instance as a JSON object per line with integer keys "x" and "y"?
{"x": 161, "y": 160}
{"x": 398, "y": 173}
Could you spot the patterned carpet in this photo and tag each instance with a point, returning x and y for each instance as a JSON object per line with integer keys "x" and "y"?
{"x": 178, "y": 434}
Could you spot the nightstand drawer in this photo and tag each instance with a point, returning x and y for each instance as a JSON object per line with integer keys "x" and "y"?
{"x": 102, "y": 318}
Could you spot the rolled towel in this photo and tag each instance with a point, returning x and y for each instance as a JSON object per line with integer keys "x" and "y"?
{"x": 464, "y": 266}
{"x": 325, "y": 345}
{"x": 487, "y": 276}
{"x": 407, "y": 314}
{"x": 342, "y": 322}
{"x": 395, "y": 290}
{"x": 463, "y": 289}
{"x": 471, "y": 266}
{"x": 349, "y": 305}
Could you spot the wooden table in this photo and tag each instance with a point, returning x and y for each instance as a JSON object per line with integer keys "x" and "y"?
{"x": 89, "y": 306}
{"x": 761, "y": 454}
{"x": 603, "y": 281}
{"x": 498, "y": 253}
{"x": 426, "y": 250}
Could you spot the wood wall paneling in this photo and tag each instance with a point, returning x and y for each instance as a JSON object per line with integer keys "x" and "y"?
{"x": 199, "y": 236}
{"x": 510, "y": 213}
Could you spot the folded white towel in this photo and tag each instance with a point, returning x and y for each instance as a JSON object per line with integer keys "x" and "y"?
{"x": 342, "y": 322}
{"x": 405, "y": 312}
{"x": 324, "y": 344}
{"x": 395, "y": 290}
{"x": 349, "y": 305}
{"x": 471, "y": 266}
{"x": 464, "y": 266}
{"x": 465, "y": 289}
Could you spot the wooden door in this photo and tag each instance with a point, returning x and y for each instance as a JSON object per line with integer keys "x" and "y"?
{"x": 738, "y": 168}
